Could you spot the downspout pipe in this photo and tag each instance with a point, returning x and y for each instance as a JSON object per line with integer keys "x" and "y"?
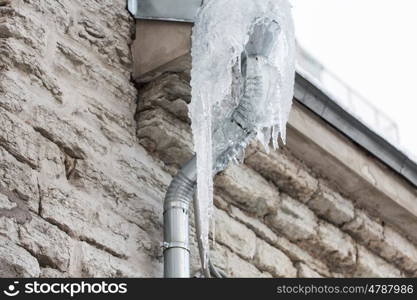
{"x": 239, "y": 130}
{"x": 176, "y": 221}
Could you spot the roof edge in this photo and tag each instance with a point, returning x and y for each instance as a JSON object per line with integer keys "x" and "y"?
{"x": 327, "y": 109}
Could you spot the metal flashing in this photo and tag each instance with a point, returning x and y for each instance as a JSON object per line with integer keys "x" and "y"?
{"x": 165, "y": 10}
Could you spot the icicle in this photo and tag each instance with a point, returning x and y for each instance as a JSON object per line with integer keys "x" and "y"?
{"x": 220, "y": 35}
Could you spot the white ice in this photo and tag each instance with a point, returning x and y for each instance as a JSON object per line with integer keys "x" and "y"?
{"x": 220, "y": 34}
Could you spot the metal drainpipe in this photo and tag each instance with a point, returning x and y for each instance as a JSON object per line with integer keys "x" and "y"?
{"x": 242, "y": 127}
{"x": 176, "y": 211}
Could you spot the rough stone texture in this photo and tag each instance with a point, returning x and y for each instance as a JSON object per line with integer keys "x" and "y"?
{"x": 365, "y": 230}
{"x": 52, "y": 273}
{"x": 235, "y": 235}
{"x": 86, "y": 158}
{"x": 298, "y": 254}
{"x": 383, "y": 241}
{"x": 47, "y": 243}
{"x": 331, "y": 206}
{"x": 273, "y": 261}
{"x": 19, "y": 139}
{"x": 237, "y": 267}
{"x": 79, "y": 216}
{"x": 248, "y": 190}
{"x": 288, "y": 174}
{"x": 294, "y": 219}
{"x": 171, "y": 92}
{"x": 399, "y": 250}
{"x": 20, "y": 178}
{"x": 16, "y": 261}
{"x": 6, "y": 204}
{"x": 371, "y": 266}
{"x": 172, "y": 144}
{"x": 76, "y": 186}
{"x": 334, "y": 246}
{"x": 304, "y": 271}
{"x": 98, "y": 263}
{"x": 294, "y": 252}
{"x": 254, "y": 223}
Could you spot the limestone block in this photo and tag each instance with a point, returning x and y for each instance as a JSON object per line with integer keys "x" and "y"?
{"x": 296, "y": 253}
{"x": 304, "y": 271}
{"x": 9, "y": 228}
{"x": 19, "y": 139}
{"x": 371, "y": 266}
{"x": 293, "y": 251}
{"x": 248, "y": 189}
{"x": 13, "y": 207}
{"x": 75, "y": 137}
{"x": 273, "y": 261}
{"x": 82, "y": 216}
{"x": 235, "y": 235}
{"x": 19, "y": 177}
{"x": 396, "y": 248}
{"x": 171, "y": 91}
{"x": 286, "y": 173}
{"x": 5, "y": 203}
{"x": 334, "y": 246}
{"x": 331, "y": 206}
{"x": 365, "y": 229}
{"x": 16, "y": 261}
{"x": 98, "y": 263}
{"x": 253, "y": 223}
{"x": 239, "y": 268}
{"x": 294, "y": 220}
{"x": 52, "y": 273}
{"x": 47, "y": 243}
{"x": 165, "y": 136}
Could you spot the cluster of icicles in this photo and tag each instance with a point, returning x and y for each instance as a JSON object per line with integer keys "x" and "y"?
{"x": 220, "y": 34}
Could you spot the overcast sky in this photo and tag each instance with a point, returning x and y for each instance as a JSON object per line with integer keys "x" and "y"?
{"x": 372, "y": 46}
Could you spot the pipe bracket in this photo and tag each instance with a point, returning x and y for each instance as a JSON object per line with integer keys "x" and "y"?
{"x": 176, "y": 205}
{"x": 169, "y": 245}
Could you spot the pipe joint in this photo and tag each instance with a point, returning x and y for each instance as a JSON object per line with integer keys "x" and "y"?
{"x": 181, "y": 245}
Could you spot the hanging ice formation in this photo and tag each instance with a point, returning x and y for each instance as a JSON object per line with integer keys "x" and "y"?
{"x": 220, "y": 35}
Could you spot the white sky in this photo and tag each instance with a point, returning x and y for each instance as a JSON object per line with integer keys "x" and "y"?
{"x": 372, "y": 46}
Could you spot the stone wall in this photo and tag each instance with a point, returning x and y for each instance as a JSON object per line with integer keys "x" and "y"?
{"x": 85, "y": 161}
{"x": 78, "y": 195}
